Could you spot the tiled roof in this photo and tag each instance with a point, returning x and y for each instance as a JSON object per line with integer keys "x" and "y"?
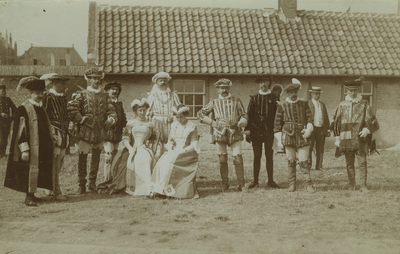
{"x": 244, "y": 41}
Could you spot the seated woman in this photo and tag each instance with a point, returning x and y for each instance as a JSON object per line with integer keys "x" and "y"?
{"x": 131, "y": 167}
{"x": 175, "y": 173}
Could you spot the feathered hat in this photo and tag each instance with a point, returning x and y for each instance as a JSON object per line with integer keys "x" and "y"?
{"x": 223, "y": 82}
{"x": 294, "y": 86}
{"x": 140, "y": 103}
{"x": 180, "y": 109}
{"x": 94, "y": 72}
{"x": 31, "y": 83}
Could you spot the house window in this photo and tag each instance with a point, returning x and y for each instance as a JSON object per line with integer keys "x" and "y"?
{"x": 63, "y": 62}
{"x": 191, "y": 93}
{"x": 34, "y": 61}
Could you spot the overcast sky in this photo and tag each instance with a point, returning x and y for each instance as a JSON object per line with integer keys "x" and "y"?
{"x": 61, "y": 23}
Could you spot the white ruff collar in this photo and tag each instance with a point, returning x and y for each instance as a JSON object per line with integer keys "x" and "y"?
{"x": 34, "y": 103}
{"x": 264, "y": 93}
{"x": 223, "y": 98}
{"x": 290, "y": 101}
{"x": 91, "y": 89}
{"x": 113, "y": 100}
{"x": 55, "y": 93}
{"x": 356, "y": 100}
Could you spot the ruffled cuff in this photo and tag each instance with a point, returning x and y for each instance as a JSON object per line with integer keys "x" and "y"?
{"x": 23, "y": 147}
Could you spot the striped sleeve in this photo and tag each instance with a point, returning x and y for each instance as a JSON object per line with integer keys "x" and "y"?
{"x": 278, "y": 125}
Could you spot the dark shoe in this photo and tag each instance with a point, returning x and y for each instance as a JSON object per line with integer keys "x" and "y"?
{"x": 273, "y": 185}
{"x": 92, "y": 187}
{"x": 253, "y": 185}
{"x": 36, "y": 199}
{"x": 29, "y": 201}
{"x": 81, "y": 190}
{"x": 241, "y": 187}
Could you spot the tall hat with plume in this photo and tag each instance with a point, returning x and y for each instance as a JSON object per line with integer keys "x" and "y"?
{"x": 294, "y": 86}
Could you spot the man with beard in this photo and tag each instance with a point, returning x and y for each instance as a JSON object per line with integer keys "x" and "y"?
{"x": 161, "y": 100}
{"x": 7, "y": 112}
{"x": 29, "y": 164}
{"x": 353, "y": 124}
{"x": 55, "y": 104}
{"x": 230, "y": 118}
{"x": 93, "y": 111}
{"x": 293, "y": 127}
{"x": 260, "y": 129}
{"x": 113, "y": 134}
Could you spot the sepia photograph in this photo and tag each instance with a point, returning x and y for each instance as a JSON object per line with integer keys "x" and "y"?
{"x": 200, "y": 126}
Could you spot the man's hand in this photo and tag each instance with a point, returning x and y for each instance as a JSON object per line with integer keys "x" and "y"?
{"x": 109, "y": 122}
{"x": 57, "y": 140}
{"x": 364, "y": 133}
{"x": 83, "y": 120}
{"x": 246, "y": 132}
{"x": 4, "y": 115}
{"x": 328, "y": 134}
{"x": 242, "y": 123}
{"x": 25, "y": 156}
{"x": 337, "y": 141}
{"x": 278, "y": 136}
{"x": 308, "y": 131}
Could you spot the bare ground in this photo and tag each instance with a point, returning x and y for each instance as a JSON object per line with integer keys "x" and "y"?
{"x": 332, "y": 220}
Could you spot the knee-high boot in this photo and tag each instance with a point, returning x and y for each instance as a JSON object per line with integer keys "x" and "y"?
{"x": 305, "y": 168}
{"x": 94, "y": 168}
{"x": 292, "y": 175}
{"x": 223, "y": 168}
{"x": 82, "y": 163}
{"x": 238, "y": 162}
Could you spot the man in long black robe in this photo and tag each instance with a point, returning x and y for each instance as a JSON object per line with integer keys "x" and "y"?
{"x": 29, "y": 164}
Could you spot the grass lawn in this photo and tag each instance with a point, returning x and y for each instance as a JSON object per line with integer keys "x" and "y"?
{"x": 332, "y": 220}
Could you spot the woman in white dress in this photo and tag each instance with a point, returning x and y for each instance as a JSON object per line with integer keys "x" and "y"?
{"x": 175, "y": 173}
{"x": 131, "y": 168}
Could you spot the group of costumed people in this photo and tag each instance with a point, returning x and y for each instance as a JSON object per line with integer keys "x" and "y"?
{"x": 154, "y": 155}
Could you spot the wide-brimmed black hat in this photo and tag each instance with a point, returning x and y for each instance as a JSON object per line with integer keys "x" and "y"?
{"x": 32, "y": 83}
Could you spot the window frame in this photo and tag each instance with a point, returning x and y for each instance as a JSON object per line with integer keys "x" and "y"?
{"x": 191, "y": 106}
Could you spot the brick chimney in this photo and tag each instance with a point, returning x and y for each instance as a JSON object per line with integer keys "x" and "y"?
{"x": 289, "y": 8}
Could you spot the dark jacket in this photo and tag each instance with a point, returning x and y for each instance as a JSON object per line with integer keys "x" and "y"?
{"x": 325, "y": 118}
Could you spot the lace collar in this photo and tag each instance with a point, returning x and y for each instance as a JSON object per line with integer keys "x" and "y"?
{"x": 264, "y": 93}
{"x": 91, "y": 89}
{"x": 34, "y": 103}
{"x": 55, "y": 93}
{"x": 355, "y": 100}
{"x": 223, "y": 98}
{"x": 290, "y": 101}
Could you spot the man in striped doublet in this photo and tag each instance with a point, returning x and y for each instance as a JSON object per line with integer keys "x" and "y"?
{"x": 114, "y": 133}
{"x": 161, "y": 100}
{"x": 93, "y": 112}
{"x": 229, "y": 119}
{"x": 293, "y": 127}
{"x": 55, "y": 104}
{"x": 353, "y": 124}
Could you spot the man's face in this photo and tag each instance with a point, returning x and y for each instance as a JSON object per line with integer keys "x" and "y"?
{"x": 224, "y": 90}
{"x": 59, "y": 86}
{"x": 3, "y": 93}
{"x": 162, "y": 83}
{"x": 293, "y": 94}
{"x": 94, "y": 82}
{"x": 315, "y": 96}
{"x": 36, "y": 95}
{"x": 352, "y": 92}
{"x": 113, "y": 92}
{"x": 264, "y": 85}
